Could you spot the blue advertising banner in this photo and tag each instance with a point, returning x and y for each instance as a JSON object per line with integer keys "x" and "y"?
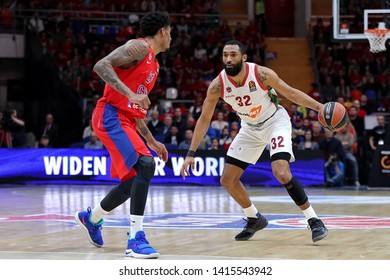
{"x": 92, "y": 167}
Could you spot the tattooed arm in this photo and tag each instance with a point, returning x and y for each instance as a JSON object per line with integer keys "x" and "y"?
{"x": 143, "y": 129}
{"x": 268, "y": 77}
{"x": 125, "y": 56}
{"x": 156, "y": 146}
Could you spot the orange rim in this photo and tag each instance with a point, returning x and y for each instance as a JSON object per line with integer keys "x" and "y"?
{"x": 378, "y": 32}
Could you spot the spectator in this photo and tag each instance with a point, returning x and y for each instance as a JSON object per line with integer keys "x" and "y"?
{"x": 166, "y": 125}
{"x": 185, "y": 144}
{"x": 148, "y": 6}
{"x": 49, "y": 134}
{"x": 229, "y": 140}
{"x": 314, "y": 92}
{"x": 215, "y": 144}
{"x": 173, "y": 137}
{"x": 308, "y": 143}
{"x": 190, "y": 123}
{"x": 331, "y": 145}
{"x": 348, "y": 140}
{"x": 179, "y": 120}
{"x": 360, "y": 112}
{"x": 36, "y": 23}
{"x": 206, "y": 68}
{"x": 318, "y": 132}
{"x": 196, "y": 109}
{"x": 334, "y": 171}
{"x": 219, "y": 124}
{"x": 367, "y": 106}
{"x": 205, "y": 143}
{"x": 155, "y": 125}
{"x": 357, "y": 122}
{"x": 306, "y": 124}
{"x": 93, "y": 142}
{"x": 224, "y": 136}
{"x": 343, "y": 90}
{"x": 311, "y": 116}
{"x": 199, "y": 51}
{"x": 378, "y": 134}
{"x": 328, "y": 90}
{"x": 235, "y": 126}
{"x": 16, "y": 127}
{"x": 294, "y": 113}
{"x": 298, "y": 133}
{"x": 229, "y": 114}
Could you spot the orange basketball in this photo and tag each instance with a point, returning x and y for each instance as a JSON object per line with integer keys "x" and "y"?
{"x": 333, "y": 117}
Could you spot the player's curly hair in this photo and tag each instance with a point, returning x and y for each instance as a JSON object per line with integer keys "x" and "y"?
{"x": 152, "y": 22}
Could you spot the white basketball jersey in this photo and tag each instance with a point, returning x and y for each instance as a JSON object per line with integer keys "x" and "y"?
{"x": 252, "y": 101}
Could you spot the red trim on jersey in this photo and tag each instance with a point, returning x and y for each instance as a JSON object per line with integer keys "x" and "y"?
{"x": 222, "y": 85}
{"x": 257, "y": 78}
{"x": 246, "y": 76}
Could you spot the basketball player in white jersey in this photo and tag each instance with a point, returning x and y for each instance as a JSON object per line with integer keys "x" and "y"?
{"x": 249, "y": 89}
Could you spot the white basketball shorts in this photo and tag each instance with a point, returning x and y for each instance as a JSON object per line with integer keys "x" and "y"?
{"x": 251, "y": 140}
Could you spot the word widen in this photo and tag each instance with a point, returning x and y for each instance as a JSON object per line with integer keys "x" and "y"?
{"x": 88, "y": 165}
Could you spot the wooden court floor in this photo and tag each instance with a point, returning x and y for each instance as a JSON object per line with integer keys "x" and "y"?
{"x": 181, "y": 222}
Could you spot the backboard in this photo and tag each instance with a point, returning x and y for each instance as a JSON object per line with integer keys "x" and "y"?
{"x": 351, "y": 17}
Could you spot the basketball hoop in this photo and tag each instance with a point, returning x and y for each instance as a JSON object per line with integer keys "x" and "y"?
{"x": 377, "y": 39}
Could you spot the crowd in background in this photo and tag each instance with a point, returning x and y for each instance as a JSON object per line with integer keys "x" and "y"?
{"x": 347, "y": 73}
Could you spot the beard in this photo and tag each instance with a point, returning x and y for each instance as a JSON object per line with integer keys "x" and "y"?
{"x": 233, "y": 71}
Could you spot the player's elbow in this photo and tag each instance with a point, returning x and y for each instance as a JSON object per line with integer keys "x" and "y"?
{"x": 97, "y": 66}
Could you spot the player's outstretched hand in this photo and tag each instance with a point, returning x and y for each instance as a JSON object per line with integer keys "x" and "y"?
{"x": 189, "y": 161}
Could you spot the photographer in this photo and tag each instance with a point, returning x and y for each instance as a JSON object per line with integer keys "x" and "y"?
{"x": 334, "y": 171}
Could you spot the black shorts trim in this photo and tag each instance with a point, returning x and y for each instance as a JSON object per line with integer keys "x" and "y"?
{"x": 236, "y": 162}
{"x": 281, "y": 155}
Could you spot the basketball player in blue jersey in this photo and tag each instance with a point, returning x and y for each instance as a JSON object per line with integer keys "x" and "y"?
{"x": 249, "y": 89}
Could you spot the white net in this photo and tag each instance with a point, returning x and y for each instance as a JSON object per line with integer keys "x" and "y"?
{"x": 377, "y": 39}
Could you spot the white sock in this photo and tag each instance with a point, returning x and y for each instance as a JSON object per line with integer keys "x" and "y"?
{"x": 309, "y": 213}
{"x": 136, "y": 225}
{"x": 251, "y": 211}
{"x": 97, "y": 214}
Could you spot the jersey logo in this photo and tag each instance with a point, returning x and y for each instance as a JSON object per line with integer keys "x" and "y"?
{"x": 142, "y": 90}
{"x": 136, "y": 106}
{"x": 150, "y": 78}
{"x": 252, "y": 86}
{"x": 254, "y": 112}
{"x": 229, "y": 89}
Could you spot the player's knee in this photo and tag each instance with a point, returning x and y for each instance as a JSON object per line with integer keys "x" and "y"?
{"x": 227, "y": 180}
{"x": 223, "y": 181}
{"x": 281, "y": 167}
{"x": 145, "y": 168}
{"x": 282, "y": 175}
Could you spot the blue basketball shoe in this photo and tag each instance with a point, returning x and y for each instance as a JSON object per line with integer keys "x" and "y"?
{"x": 140, "y": 248}
{"x": 94, "y": 231}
